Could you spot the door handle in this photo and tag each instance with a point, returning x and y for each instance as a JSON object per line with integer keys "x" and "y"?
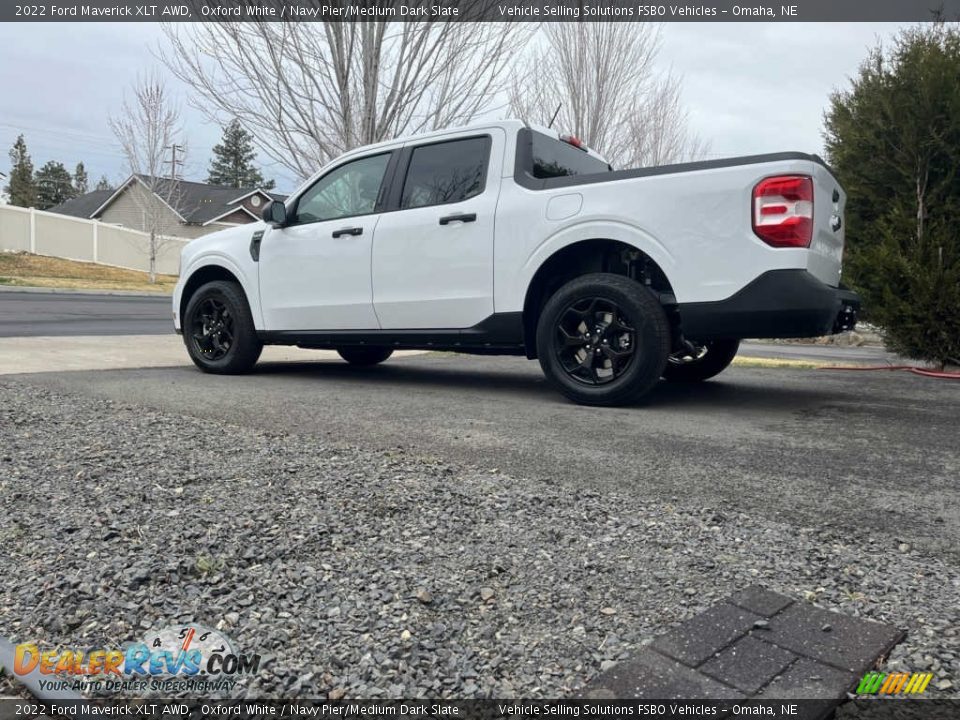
{"x": 458, "y": 217}
{"x": 348, "y": 231}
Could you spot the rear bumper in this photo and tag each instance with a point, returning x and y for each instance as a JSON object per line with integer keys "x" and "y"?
{"x": 778, "y": 304}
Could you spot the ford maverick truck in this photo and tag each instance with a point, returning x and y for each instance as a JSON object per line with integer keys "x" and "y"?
{"x": 505, "y": 238}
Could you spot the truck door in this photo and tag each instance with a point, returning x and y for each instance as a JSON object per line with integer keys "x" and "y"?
{"x": 315, "y": 271}
{"x": 433, "y": 252}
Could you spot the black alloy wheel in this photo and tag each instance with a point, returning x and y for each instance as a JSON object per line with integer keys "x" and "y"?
{"x": 603, "y": 339}
{"x": 701, "y": 361}
{"x": 212, "y": 329}
{"x": 594, "y": 344}
{"x": 218, "y": 329}
{"x": 365, "y": 355}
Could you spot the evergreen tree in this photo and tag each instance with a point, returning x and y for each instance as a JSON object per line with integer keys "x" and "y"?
{"x": 54, "y": 185}
{"x": 233, "y": 160}
{"x": 81, "y": 183}
{"x": 893, "y": 139}
{"x": 103, "y": 184}
{"x": 22, "y": 189}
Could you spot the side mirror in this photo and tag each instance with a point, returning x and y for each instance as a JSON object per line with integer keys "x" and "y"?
{"x": 275, "y": 214}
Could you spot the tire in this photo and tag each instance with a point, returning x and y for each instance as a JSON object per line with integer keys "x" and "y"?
{"x": 218, "y": 329}
{"x": 717, "y": 357}
{"x": 624, "y": 326}
{"x": 365, "y": 355}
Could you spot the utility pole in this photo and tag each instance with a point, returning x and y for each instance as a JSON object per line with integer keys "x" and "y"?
{"x": 173, "y": 161}
{"x": 172, "y": 191}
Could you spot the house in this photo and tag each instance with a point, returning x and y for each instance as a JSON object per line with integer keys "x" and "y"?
{"x": 82, "y": 206}
{"x": 181, "y": 208}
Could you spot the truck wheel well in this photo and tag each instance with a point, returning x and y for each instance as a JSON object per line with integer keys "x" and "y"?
{"x": 206, "y": 274}
{"x": 588, "y": 256}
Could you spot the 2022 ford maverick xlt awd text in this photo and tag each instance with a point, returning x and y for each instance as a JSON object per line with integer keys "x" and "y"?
{"x": 505, "y": 238}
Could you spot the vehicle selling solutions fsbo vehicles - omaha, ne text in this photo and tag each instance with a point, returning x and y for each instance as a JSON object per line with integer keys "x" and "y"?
{"x": 505, "y": 238}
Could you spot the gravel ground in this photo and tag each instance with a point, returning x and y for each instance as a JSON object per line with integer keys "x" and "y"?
{"x": 381, "y": 574}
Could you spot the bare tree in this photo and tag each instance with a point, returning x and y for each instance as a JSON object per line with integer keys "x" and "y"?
{"x": 147, "y": 128}
{"x": 603, "y": 79}
{"x": 659, "y": 133}
{"x": 310, "y": 91}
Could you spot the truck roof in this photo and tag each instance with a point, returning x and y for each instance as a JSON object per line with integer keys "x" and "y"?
{"x": 510, "y": 126}
{"x": 507, "y": 125}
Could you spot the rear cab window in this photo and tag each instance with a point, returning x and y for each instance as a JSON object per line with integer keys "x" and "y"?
{"x": 446, "y": 172}
{"x": 554, "y": 158}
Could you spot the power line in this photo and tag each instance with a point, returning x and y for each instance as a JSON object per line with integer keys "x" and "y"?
{"x": 40, "y": 130}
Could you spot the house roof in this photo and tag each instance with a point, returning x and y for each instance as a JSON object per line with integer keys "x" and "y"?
{"x": 271, "y": 195}
{"x": 82, "y": 206}
{"x": 200, "y": 203}
{"x": 196, "y": 203}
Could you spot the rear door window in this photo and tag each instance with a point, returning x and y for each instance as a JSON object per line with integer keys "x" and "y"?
{"x": 446, "y": 172}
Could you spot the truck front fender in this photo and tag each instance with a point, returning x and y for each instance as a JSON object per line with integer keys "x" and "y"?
{"x": 206, "y": 264}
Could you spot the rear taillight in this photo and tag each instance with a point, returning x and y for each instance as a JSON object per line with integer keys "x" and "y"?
{"x": 783, "y": 210}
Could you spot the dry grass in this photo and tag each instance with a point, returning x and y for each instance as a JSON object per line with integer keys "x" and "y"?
{"x": 24, "y": 269}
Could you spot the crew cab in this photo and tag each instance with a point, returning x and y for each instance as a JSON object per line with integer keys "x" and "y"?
{"x": 506, "y": 238}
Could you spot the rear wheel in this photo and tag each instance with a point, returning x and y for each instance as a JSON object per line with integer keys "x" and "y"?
{"x": 603, "y": 339}
{"x": 701, "y": 361}
{"x": 365, "y": 355}
{"x": 218, "y": 329}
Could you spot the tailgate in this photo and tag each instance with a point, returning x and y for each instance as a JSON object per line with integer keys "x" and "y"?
{"x": 826, "y": 247}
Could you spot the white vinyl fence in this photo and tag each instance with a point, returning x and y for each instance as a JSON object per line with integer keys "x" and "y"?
{"x": 62, "y": 236}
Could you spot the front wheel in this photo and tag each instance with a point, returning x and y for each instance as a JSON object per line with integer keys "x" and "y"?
{"x": 603, "y": 339}
{"x": 218, "y": 329}
{"x": 701, "y": 361}
{"x": 365, "y": 355}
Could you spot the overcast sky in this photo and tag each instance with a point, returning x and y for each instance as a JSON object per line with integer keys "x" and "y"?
{"x": 749, "y": 88}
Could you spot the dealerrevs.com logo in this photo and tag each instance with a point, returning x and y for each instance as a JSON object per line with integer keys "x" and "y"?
{"x": 181, "y": 657}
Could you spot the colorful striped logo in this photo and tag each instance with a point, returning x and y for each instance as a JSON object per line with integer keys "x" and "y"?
{"x": 898, "y": 683}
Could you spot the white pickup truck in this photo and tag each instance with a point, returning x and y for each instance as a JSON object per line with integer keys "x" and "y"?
{"x": 504, "y": 238}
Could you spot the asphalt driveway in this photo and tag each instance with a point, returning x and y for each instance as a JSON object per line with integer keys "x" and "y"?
{"x": 872, "y": 453}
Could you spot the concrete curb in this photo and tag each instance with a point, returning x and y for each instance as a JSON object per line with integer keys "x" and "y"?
{"x": 81, "y": 291}
{"x": 754, "y": 361}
